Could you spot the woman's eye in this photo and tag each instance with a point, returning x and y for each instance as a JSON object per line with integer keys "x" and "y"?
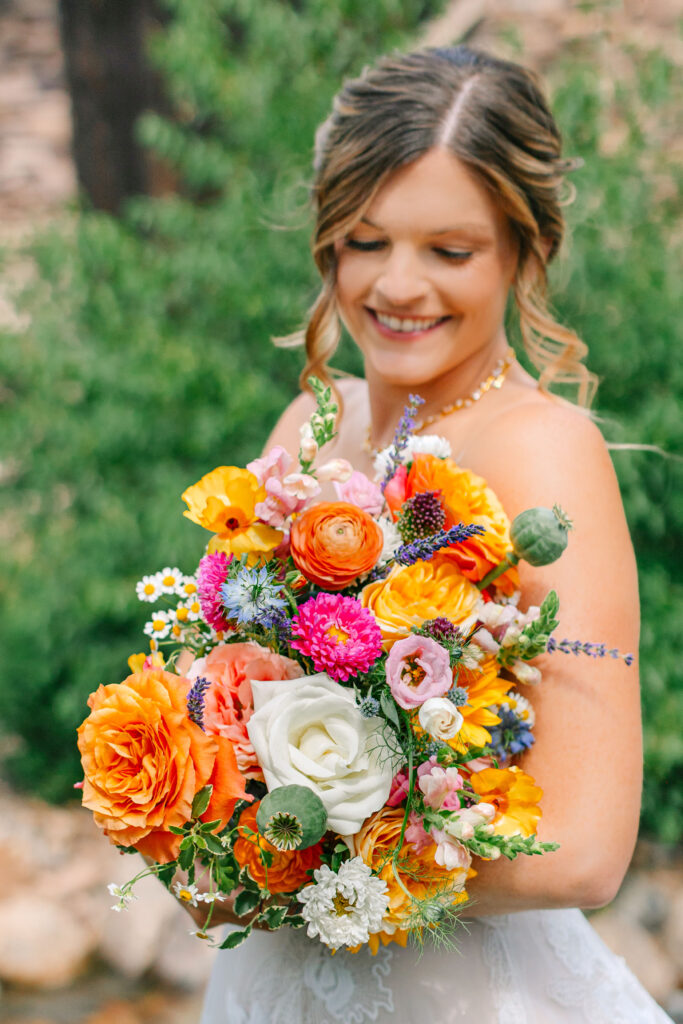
{"x": 355, "y": 243}
{"x": 459, "y": 255}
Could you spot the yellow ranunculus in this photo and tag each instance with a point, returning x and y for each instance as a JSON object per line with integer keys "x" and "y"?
{"x": 515, "y": 796}
{"x": 412, "y": 594}
{"x": 224, "y": 502}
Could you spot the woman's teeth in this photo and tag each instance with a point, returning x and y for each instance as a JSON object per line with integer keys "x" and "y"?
{"x": 405, "y": 324}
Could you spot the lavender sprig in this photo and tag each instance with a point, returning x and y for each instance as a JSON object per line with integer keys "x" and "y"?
{"x": 403, "y": 433}
{"x": 423, "y": 548}
{"x": 592, "y": 650}
{"x": 195, "y": 700}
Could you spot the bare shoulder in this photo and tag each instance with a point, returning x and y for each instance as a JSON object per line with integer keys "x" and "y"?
{"x": 286, "y": 430}
{"x": 541, "y": 451}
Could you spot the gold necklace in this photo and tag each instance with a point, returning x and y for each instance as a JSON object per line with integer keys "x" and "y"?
{"x": 495, "y": 379}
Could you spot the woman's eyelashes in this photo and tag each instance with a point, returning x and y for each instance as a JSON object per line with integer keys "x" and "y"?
{"x": 459, "y": 255}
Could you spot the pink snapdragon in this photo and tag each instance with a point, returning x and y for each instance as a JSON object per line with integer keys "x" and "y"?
{"x": 439, "y": 786}
{"x": 415, "y": 833}
{"x": 286, "y": 493}
{"x": 359, "y": 490}
{"x": 450, "y": 853}
{"x": 399, "y": 789}
{"x": 418, "y": 668}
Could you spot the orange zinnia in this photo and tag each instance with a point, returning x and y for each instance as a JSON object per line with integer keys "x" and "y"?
{"x": 334, "y": 543}
{"x": 420, "y": 873}
{"x": 515, "y": 796}
{"x": 144, "y": 760}
{"x": 289, "y": 870}
{"x": 466, "y": 498}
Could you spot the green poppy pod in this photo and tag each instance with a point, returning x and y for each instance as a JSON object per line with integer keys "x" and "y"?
{"x": 292, "y": 817}
{"x": 539, "y": 535}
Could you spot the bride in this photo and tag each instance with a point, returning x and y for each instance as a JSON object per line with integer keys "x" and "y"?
{"x": 439, "y": 186}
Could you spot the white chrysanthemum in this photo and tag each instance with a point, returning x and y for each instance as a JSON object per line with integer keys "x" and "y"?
{"x": 521, "y": 707}
{"x": 428, "y": 444}
{"x": 187, "y": 587}
{"x": 169, "y": 580}
{"x": 149, "y": 588}
{"x": 159, "y": 626}
{"x": 343, "y": 909}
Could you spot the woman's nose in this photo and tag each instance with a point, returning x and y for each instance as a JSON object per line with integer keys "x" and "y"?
{"x": 401, "y": 281}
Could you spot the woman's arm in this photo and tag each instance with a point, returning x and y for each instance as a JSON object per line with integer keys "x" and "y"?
{"x": 587, "y": 755}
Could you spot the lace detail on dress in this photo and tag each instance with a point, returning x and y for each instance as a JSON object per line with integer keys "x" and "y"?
{"x": 594, "y": 980}
{"x": 507, "y": 999}
{"x": 298, "y": 980}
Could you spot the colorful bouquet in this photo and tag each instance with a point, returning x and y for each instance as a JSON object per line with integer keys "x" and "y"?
{"x": 329, "y": 734}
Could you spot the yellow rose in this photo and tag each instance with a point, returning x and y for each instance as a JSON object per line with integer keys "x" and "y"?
{"x": 412, "y": 594}
{"x": 224, "y": 501}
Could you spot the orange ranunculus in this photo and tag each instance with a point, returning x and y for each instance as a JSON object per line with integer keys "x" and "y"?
{"x": 289, "y": 869}
{"x": 466, "y": 498}
{"x": 485, "y": 687}
{"x": 412, "y": 594}
{"x": 334, "y": 543}
{"x": 224, "y": 502}
{"x": 515, "y": 796}
{"x": 419, "y": 872}
{"x": 144, "y": 760}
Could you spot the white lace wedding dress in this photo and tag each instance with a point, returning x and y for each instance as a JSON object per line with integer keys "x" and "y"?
{"x": 537, "y": 967}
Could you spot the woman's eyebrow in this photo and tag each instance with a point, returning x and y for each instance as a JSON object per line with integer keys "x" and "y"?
{"x": 471, "y": 227}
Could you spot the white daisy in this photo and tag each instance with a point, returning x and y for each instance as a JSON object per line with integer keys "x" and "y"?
{"x": 428, "y": 444}
{"x": 159, "y": 626}
{"x": 169, "y": 580}
{"x": 178, "y": 631}
{"x": 188, "y": 611}
{"x": 187, "y": 893}
{"x": 187, "y": 587}
{"x": 210, "y": 897}
{"x": 149, "y": 588}
{"x": 344, "y": 908}
{"x": 521, "y": 707}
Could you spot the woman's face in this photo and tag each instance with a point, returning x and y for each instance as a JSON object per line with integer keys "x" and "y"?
{"x": 422, "y": 280}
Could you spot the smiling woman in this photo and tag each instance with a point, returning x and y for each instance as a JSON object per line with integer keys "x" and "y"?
{"x": 439, "y": 185}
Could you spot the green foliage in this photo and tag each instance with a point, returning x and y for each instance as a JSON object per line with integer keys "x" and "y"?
{"x": 148, "y": 360}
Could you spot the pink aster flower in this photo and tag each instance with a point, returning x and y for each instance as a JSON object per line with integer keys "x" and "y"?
{"x": 418, "y": 668}
{"x": 340, "y": 636}
{"x": 211, "y": 575}
{"x": 361, "y": 491}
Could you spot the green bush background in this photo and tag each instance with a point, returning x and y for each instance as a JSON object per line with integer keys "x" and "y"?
{"x": 148, "y": 358}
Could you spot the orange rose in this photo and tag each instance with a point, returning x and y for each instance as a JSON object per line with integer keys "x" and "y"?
{"x": 412, "y": 594}
{"x": 419, "y": 872}
{"x": 333, "y": 543}
{"x": 515, "y": 796}
{"x": 289, "y": 869}
{"x": 466, "y": 498}
{"x": 144, "y": 760}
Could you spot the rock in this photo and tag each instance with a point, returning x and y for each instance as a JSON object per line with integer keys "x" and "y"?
{"x": 184, "y": 960}
{"x": 131, "y": 938}
{"x": 42, "y": 944}
{"x": 672, "y": 935}
{"x": 643, "y": 954}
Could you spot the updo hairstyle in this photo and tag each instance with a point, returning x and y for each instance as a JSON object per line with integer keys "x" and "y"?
{"x": 492, "y": 115}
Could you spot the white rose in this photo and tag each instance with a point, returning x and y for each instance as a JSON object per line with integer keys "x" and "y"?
{"x": 440, "y": 718}
{"x": 309, "y": 732}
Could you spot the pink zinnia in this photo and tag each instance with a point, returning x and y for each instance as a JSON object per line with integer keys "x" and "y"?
{"x": 211, "y": 575}
{"x": 340, "y": 636}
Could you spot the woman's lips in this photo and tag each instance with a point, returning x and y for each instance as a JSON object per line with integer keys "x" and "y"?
{"x": 405, "y": 335}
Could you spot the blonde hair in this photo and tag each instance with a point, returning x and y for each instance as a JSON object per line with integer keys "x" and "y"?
{"x": 493, "y": 116}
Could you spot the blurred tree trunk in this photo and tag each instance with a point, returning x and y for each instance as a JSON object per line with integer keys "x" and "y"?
{"x": 111, "y": 83}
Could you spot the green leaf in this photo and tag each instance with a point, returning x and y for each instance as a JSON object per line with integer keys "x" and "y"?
{"x": 235, "y": 939}
{"x": 186, "y": 857}
{"x": 210, "y": 826}
{"x": 246, "y": 902}
{"x": 176, "y": 831}
{"x": 201, "y": 801}
{"x": 274, "y": 916}
{"x": 213, "y": 845}
{"x": 386, "y": 703}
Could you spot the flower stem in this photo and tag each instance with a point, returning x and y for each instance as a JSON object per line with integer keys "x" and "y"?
{"x": 510, "y": 559}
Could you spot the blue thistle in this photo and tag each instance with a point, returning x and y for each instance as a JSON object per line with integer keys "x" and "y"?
{"x": 423, "y": 549}
{"x": 369, "y": 707}
{"x": 458, "y": 696}
{"x": 195, "y": 700}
